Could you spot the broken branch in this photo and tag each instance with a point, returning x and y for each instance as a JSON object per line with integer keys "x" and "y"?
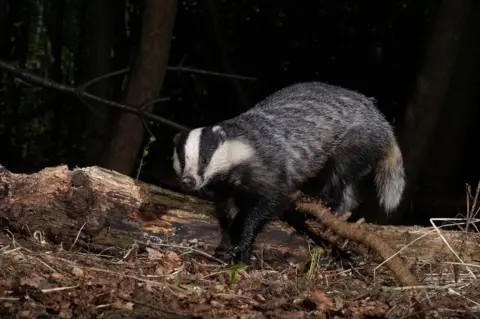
{"x": 366, "y": 238}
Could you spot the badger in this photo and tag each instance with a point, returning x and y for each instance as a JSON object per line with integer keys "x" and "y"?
{"x": 307, "y": 131}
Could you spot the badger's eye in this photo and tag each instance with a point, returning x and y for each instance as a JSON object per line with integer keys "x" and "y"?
{"x": 204, "y": 161}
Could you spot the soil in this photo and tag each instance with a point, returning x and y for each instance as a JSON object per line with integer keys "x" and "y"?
{"x": 183, "y": 280}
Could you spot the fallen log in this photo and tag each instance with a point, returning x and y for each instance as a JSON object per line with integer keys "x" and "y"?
{"x": 97, "y": 208}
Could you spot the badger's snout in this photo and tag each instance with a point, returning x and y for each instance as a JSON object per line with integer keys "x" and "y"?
{"x": 188, "y": 182}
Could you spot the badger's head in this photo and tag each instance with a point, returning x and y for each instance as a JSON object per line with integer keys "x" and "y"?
{"x": 202, "y": 154}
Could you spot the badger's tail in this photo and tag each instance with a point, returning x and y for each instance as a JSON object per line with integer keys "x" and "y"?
{"x": 390, "y": 178}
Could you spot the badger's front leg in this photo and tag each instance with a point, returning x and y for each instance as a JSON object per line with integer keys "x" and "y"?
{"x": 246, "y": 226}
{"x": 227, "y": 210}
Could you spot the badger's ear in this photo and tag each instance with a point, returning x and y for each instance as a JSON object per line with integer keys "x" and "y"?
{"x": 218, "y": 130}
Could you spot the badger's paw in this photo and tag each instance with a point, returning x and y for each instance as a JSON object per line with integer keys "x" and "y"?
{"x": 222, "y": 253}
{"x": 237, "y": 254}
{"x": 240, "y": 254}
{"x": 243, "y": 257}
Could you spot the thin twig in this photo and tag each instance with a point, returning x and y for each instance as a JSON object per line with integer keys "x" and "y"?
{"x": 149, "y": 305}
{"x": 37, "y": 80}
{"x": 103, "y": 306}
{"x": 205, "y": 72}
{"x": 437, "y": 229}
{"x": 78, "y": 235}
{"x": 178, "y": 68}
{"x": 102, "y": 77}
{"x": 453, "y": 292}
{"x": 32, "y": 256}
{"x": 9, "y": 298}
{"x": 59, "y": 289}
{"x": 43, "y": 263}
{"x": 119, "y": 274}
{"x": 83, "y": 88}
{"x": 190, "y": 249}
{"x": 159, "y": 100}
{"x": 475, "y": 200}
{"x": 11, "y": 250}
{"x": 431, "y": 287}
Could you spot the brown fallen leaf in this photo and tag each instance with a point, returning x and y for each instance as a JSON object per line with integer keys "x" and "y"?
{"x": 34, "y": 280}
{"x": 366, "y": 309}
{"x": 120, "y": 304}
{"x": 25, "y": 314}
{"x": 199, "y": 309}
{"x": 259, "y": 298}
{"x": 173, "y": 258}
{"x": 154, "y": 254}
{"x": 321, "y": 300}
{"x": 65, "y": 314}
{"x": 56, "y": 276}
{"x": 168, "y": 264}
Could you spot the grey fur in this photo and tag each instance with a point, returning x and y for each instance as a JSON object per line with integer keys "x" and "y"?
{"x": 300, "y": 127}
{"x": 308, "y": 131}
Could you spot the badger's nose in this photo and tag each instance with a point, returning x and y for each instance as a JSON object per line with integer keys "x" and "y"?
{"x": 188, "y": 182}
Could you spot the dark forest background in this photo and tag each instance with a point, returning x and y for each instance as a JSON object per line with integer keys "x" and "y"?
{"x": 199, "y": 62}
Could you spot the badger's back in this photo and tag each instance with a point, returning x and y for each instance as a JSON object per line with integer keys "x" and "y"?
{"x": 296, "y": 129}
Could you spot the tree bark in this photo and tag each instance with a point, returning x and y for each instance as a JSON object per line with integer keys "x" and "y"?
{"x": 443, "y": 169}
{"x": 108, "y": 209}
{"x": 423, "y": 111}
{"x": 145, "y": 82}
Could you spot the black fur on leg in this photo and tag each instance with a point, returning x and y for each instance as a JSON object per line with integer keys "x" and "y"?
{"x": 227, "y": 209}
{"x": 249, "y": 223}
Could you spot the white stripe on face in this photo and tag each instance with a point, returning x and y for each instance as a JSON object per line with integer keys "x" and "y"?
{"x": 176, "y": 163}
{"x": 226, "y": 156}
{"x": 192, "y": 149}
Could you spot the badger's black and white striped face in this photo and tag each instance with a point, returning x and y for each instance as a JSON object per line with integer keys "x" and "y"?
{"x": 203, "y": 153}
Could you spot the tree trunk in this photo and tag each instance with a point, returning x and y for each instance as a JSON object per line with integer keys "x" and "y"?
{"x": 145, "y": 81}
{"x": 97, "y": 60}
{"x": 53, "y": 17}
{"x": 423, "y": 111}
{"x": 449, "y": 150}
{"x": 239, "y": 93}
{"x": 54, "y": 23}
{"x": 14, "y": 22}
{"x": 14, "y": 37}
{"x": 121, "y": 47}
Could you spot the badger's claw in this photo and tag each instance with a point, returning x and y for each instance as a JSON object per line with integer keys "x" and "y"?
{"x": 243, "y": 257}
{"x": 221, "y": 250}
{"x": 221, "y": 253}
{"x": 237, "y": 254}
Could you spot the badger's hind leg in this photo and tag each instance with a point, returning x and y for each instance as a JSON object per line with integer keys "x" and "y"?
{"x": 333, "y": 192}
{"x": 340, "y": 192}
{"x": 349, "y": 200}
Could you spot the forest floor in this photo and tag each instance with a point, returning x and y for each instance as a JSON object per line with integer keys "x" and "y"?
{"x": 39, "y": 280}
